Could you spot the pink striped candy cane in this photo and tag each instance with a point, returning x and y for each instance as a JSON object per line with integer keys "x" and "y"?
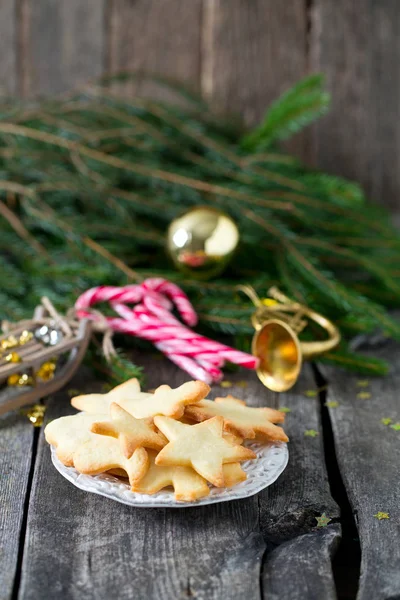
{"x": 151, "y": 319}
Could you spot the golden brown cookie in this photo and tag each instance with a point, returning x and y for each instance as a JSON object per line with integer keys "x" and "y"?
{"x": 100, "y": 403}
{"x": 89, "y": 452}
{"x": 169, "y": 402}
{"x": 233, "y": 474}
{"x": 241, "y": 419}
{"x": 132, "y": 433}
{"x": 200, "y": 446}
{"x": 165, "y": 400}
{"x": 187, "y": 484}
{"x": 102, "y": 453}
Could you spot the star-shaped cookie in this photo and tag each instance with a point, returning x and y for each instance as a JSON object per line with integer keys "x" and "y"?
{"x": 66, "y": 434}
{"x": 165, "y": 400}
{"x": 100, "y": 403}
{"x": 200, "y": 446}
{"x": 241, "y": 419}
{"x": 168, "y": 401}
{"x": 187, "y": 484}
{"x": 103, "y": 453}
{"x": 76, "y": 446}
{"x": 132, "y": 433}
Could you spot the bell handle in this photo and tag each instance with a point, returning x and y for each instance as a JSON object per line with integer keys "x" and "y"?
{"x": 313, "y": 349}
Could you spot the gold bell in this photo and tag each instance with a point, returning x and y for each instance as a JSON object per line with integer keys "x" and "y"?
{"x": 277, "y": 322}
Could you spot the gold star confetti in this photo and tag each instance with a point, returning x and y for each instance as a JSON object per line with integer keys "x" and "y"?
{"x": 362, "y": 383}
{"x": 285, "y": 409}
{"x": 332, "y": 404}
{"x": 363, "y": 395}
{"x": 382, "y": 515}
{"x": 241, "y": 384}
{"x": 226, "y": 384}
{"x": 396, "y": 426}
{"x": 323, "y": 520}
{"x": 73, "y": 392}
{"x": 13, "y": 357}
{"x": 35, "y": 414}
{"x": 386, "y": 420}
{"x": 314, "y": 393}
{"x": 311, "y": 433}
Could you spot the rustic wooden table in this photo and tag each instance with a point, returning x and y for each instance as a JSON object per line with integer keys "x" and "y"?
{"x": 59, "y": 542}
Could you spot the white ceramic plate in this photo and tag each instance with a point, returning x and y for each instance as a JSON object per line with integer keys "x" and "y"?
{"x": 261, "y": 472}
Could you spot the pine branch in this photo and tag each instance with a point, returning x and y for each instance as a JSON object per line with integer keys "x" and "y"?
{"x": 89, "y": 183}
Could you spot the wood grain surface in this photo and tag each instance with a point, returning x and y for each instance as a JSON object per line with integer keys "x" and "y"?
{"x": 80, "y": 545}
{"x": 16, "y": 441}
{"x": 356, "y": 44}
{"x": 64, "y": 46}
{"x": 241, "y": 55}
{"x": 159, "y": 37}
{"x": 8, "y": 47}
{"x": 368, "y": 454}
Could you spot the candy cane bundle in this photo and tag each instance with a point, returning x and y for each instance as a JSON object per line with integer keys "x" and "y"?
{"x": 151, "y": 319}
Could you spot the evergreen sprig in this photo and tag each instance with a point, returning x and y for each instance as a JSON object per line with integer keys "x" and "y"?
{"x": 90, "y": 182}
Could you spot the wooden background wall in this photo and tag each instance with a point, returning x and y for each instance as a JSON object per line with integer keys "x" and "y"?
{"x": 238, "y": 53}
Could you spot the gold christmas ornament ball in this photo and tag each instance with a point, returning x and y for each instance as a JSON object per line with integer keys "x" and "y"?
{"x": 202, "y": 242}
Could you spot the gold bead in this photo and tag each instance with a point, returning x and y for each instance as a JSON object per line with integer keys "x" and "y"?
{"x": 46, "y": 370}
{"x": 202, "y": 241}
{"x": 25, "y": 379}
{"x": 35, "y": 414}
{"x": 13, "y": 379}
{"x": 25, "y": 337}
{"x": 13, "y": 357}
{"x": 8, "y": 343}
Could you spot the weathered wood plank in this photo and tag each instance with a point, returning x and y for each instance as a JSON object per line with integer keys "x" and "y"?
{"x": 65, "y": 45}
{"x": 8, "y": 47}
{"x": 160, "y": 37}
{"x": 16, "y": 438}
{"x": 80, "y": 545}
{"x": 300, "y": 568}
{"x": 368, "y": 454}
{"x": 288, "y": 509}
{"x": 357, "y": 46}
{"x": 252, "y": 52}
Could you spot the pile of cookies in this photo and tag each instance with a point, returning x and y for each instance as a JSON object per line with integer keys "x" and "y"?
{"x": 173, "y": 437}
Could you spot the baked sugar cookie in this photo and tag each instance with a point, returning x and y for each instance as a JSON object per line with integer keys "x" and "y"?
{"x": 90, "y": 453}
{"x": 200, "y": 446}
{"x": 241, "y": 419}
{"x": 100, "y": 403}
{"x": 132, "y": 433}
{"x": 187, "y": 484}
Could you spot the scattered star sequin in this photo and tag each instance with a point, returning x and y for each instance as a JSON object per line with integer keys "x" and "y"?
{"x": 323, "y": 520}
{"x": 285, "y": 409}
{"x": 363, "y": 395}
{"x": 311, "y": 433}
{"x": 362, "y": 383}
{"x": 381, "y": 515}
{"x": 396, "y": 426}
{"x": 332, "y": 404}
{"x": 226, "y": 384}
{"x": 35, "y": 414}
{"x": 386, "y": 420}
{"x": 242, "y": 384}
